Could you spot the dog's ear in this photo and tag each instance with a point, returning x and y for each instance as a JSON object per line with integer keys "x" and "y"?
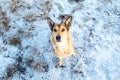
{"x": 51, "y": 23}
{"x": 68, "y": 22}
{"x": 63, "y": 17}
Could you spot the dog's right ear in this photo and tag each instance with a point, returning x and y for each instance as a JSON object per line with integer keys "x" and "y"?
{"x": 51, "y": 23}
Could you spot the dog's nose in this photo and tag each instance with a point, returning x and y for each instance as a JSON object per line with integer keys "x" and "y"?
{"x": 58, "y": 38}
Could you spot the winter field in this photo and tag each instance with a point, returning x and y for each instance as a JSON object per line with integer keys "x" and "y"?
{"x": 26, "y": 52}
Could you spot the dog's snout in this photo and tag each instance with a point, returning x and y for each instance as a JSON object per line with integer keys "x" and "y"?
{"x": 58, "y": 38}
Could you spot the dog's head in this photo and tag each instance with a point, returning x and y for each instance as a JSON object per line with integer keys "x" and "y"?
{"x": 60, "y": 31}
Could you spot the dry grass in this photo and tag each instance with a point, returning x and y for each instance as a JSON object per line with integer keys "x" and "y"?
{"x": 15, "y": 4}
{"x": 10, "y": 71}
{"x": 46, "y": 8}
{"x": 24, "y": 34}
{"x": 30, "y": 17}
{"x": 4, "y": 20}
{"x": 14, "y": 41}
{"x": 17, "y": 67}
{"x": 40, "y": 66}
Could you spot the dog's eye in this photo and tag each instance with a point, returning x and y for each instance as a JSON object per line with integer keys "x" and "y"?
{"x": 63, "y": 30}
{"x": 55, "y": 30}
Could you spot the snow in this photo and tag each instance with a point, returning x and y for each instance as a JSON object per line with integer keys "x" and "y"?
{"x": 27, "y": 54}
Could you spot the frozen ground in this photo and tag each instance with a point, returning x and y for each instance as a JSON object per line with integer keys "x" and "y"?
{"x": 27, "y": 54}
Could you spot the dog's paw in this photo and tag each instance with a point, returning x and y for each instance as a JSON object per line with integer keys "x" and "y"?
{"x": 59, "y": 63}
{"x": 74, "y": 54}
{"x": 62, "y": 66}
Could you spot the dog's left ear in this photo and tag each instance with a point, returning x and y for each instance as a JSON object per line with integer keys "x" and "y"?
{"x": 51, "y": 23}
{"x": 68, "y": 22}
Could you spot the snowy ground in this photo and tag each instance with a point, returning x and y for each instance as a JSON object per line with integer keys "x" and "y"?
{"x": 27, "y": 54}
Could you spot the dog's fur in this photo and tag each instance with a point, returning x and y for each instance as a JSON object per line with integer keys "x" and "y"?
{"x": 62, "y": 45}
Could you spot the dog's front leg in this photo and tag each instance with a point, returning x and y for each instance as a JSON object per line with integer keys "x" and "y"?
{"x": 60, "y": 62}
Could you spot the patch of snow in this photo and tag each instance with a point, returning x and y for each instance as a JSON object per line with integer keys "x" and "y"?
{"x": 95, "y": 33}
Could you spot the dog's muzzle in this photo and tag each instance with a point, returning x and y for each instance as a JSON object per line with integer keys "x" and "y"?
{"x": 58, "y": 38}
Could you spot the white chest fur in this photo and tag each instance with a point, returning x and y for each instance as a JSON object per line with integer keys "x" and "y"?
{"x": 62, "y": 46}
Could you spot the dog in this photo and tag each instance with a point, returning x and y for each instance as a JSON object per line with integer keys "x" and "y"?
{"x": 60, "y": 38}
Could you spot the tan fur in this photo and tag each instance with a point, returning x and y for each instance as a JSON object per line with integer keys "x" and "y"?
{"x": 64, "y": 48}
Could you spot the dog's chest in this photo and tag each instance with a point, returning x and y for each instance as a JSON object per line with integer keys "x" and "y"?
{"x": 62, "y": 46}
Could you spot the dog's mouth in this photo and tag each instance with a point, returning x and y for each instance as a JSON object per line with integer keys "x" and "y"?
{"x": 58, "y": 40}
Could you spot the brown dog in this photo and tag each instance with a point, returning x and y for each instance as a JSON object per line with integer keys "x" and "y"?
{"x": 61, "y": 38}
